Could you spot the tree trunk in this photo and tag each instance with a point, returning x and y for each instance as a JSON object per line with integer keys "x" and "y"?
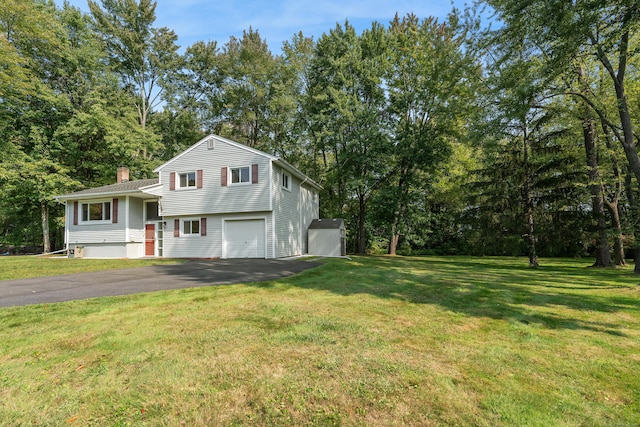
{"x": 395, "y": 235}
{"x": 44, "y": 214}
{"x": 362, "y": 238}
{"x": 528, "y": 202}
{"x": 397, "y": 214}
{"x": 635, "y": 219}
{"x": 612, "y": 200}
{"x": 618, "y": 242}
{"x": 531, "y": 237}
{"x": 393, "y": 242}
{"x": 632, "y": 157}
{"x": 627, "y": 140}
{"x": 603, "y": 254}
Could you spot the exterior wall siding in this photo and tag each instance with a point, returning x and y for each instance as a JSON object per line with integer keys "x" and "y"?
{"x": 325, "y": 242}
{"x": 97, "y": 232}
{"x": 112, "y": 250}
{"x": 135, "y": 250}
{"x": 136, "y": 220}
{"x": 209, "y": 246}
{"x": 213, "y": 197}
{"x": 287, "y": 216}
{"x": 104, "y": 250}
{"x": 309, "y": 210}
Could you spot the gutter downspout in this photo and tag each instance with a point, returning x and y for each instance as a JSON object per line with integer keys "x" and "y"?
{"x": 127, "y": 231}
{"x": 273, "y": 213}
{"x": 66, "y": 226}
{"x": 301, "y": 243}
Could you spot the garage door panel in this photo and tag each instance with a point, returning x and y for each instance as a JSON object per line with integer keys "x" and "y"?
{"x": 245, "y": 238}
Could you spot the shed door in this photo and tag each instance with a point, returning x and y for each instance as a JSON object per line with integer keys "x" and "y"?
{"x": 245, "y": 238}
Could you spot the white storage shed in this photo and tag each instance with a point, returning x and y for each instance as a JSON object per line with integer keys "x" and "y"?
{"x": 327, "y": 237}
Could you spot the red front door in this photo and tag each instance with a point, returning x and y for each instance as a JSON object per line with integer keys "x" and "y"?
{"x": 149, "y": 239}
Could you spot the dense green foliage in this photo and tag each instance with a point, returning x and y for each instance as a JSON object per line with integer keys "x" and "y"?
{"x": 427, "y": 135}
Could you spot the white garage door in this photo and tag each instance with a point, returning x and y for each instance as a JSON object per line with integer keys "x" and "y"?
{"x": 245, "y": 238}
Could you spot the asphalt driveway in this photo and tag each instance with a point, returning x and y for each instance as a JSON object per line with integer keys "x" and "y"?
{"x": 146, "y": 279}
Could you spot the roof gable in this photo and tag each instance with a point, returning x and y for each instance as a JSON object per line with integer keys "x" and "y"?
{"x": 277, "y": 160}
{"x": 217, "y": 139}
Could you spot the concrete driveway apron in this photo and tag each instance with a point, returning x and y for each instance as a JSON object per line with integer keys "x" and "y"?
{"x": 188, "y": 274}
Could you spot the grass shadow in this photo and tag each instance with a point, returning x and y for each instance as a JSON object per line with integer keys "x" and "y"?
{"x": 558, "y": 296}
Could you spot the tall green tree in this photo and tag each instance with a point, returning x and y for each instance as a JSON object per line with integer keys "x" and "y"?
{"x": 69, "y": 123}
{"x": 565, "y": 31}
{"x": 526, "y": 118}
{"x": 603, "y": 253}
{"x": 298, "y": 149}
{"x": 140, "y": 53}
{"x": 346, "y": 107}
{"x": 430, "y": 85}
{"x": 195, "y": 88}
{"x": 103, "y": 129}
{"x": 249, "y": 65}
{"x": 20, "y": 20}
{"x": 33, "y": 108}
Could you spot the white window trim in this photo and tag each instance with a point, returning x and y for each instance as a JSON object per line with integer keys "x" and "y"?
{"x": 288, "y": 186}
{"x": 84, "y": 221}
{"x": 183, "y": 220}
{"x": 179, "y": 187}
{"x": 230, "y": 175}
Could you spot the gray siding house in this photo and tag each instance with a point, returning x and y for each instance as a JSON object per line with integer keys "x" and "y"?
{"x": 217, "y": 199}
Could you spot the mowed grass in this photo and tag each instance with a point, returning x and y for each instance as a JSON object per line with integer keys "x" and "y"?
{"x": 21, "y": 267}
{"x": 373, "y": 341}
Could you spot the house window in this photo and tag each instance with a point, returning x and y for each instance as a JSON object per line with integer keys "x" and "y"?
{"x": 187, "y": 180}
{"x": 96, "y": 211}
{"x": 153, "y": 211}
{"x": 191, "y": 227}
{"x": 286, "y": 181}
{"x": 240, "y": 175}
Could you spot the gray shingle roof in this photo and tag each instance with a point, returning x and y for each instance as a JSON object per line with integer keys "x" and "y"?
{"x": 325, "y": 224}
{"x": 125, "y": 187}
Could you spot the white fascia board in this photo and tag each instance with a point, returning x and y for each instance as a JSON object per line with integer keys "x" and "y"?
{"x": 154, "y": 190}
{"x": 291, "y": 169}
{"x": 67, "y": 197}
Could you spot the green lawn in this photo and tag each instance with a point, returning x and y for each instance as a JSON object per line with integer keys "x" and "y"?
{"x": 21, "y": 267}
{"x": 369, "y": 341}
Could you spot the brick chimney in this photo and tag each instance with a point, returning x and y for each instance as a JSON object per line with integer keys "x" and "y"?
{"x": 123, "y": 174}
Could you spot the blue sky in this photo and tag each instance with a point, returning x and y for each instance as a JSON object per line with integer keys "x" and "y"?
{"x": 278, "y": 20}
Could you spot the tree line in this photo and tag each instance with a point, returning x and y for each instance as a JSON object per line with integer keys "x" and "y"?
{"x": 428, "y": 136}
